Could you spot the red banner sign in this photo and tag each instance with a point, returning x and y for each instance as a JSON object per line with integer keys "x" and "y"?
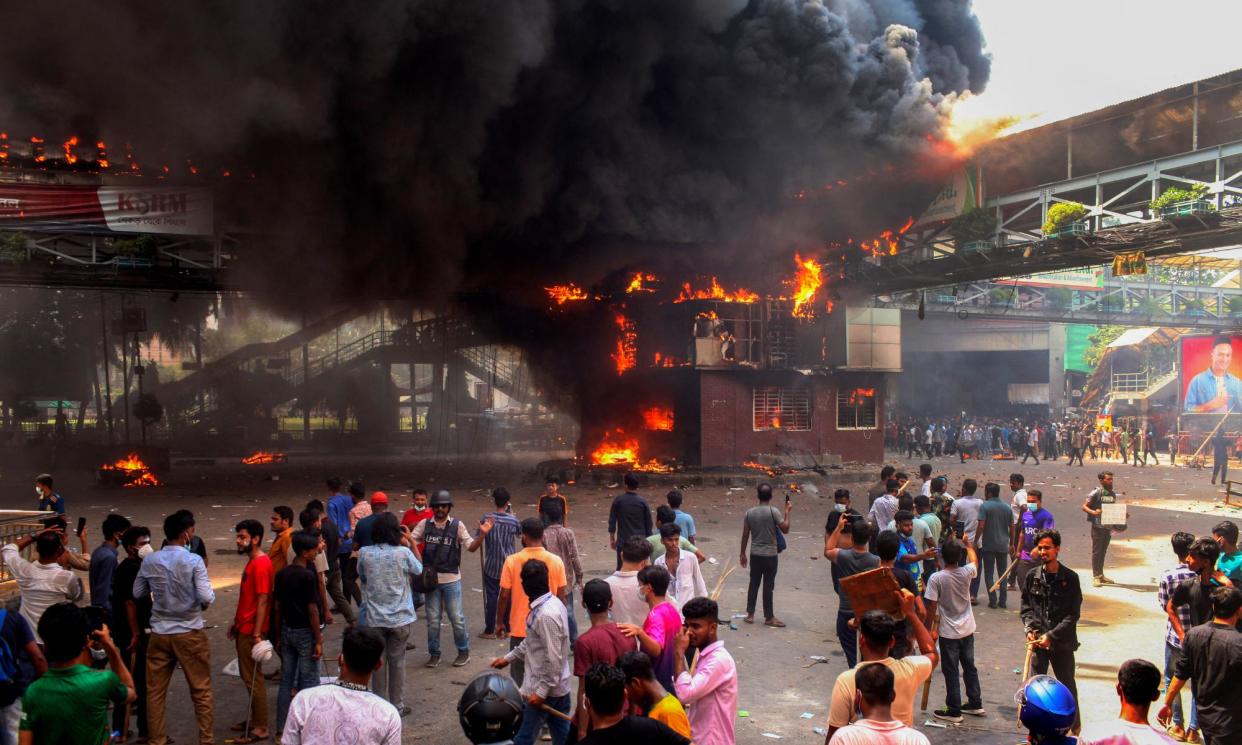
{"x": 119, "y": 209}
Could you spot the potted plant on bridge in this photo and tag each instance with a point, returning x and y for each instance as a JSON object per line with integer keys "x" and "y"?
{"x": 1066, "y": 220}
{"x": 974, "y": 230}
{"x": 1235, "y": 306}
{"x": 13, "y": 248}
{"x": 1176, "y": 202}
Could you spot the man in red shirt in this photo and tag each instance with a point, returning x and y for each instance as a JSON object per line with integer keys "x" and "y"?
{"x": 250, "y": 626}
{"x": 417, "y": 513}
{"x": 603, "y": 642}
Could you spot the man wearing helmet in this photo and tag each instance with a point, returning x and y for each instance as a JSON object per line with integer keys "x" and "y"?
{"x": 445, "y": 537}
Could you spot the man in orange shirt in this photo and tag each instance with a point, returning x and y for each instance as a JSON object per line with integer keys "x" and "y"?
{"x": 250, "y": 626}
{"x": 514, "y": 605}
{"x": 282, "y": 535}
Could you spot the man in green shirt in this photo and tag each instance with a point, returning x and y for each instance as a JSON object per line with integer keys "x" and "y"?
{"x": 71, "y": 685}
{"x": 665, "y": 515}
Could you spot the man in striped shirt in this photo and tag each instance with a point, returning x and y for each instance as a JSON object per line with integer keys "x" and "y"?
{"x": 502, "y": 532}
{"x": 1172, "y": 643}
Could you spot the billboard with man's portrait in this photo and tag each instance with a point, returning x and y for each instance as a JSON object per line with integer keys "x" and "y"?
{"x": 1211, "y": 374}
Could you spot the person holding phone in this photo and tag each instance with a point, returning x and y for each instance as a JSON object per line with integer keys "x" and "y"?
{"x": 759, "y": 528}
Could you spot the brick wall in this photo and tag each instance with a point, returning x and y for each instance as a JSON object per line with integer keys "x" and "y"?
{"x": 727, "y": 435}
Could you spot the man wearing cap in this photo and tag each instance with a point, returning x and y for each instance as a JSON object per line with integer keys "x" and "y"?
{"x": 445, "y": 537}
{"x": 362, "y": 531}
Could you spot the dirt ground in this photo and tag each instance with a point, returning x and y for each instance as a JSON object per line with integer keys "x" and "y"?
{"x": 784, "y": 695}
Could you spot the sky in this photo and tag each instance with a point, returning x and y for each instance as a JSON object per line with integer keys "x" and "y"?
{"x": 1058, "y": 58}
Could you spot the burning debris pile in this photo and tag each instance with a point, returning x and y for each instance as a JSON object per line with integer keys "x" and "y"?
{"x": 262, "y": 458}
{"x": 129, "y": 471}
{"x": 618, "y": 449}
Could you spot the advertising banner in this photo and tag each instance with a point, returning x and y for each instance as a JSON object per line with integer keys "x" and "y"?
{"x": 119, "y": 209}
{"x": 1211, "y": 375}
{"x": 964, "y": 192}
{"x": 1087, "y": 278}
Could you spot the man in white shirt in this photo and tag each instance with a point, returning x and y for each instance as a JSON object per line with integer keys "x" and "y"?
{"x": 949, "y": 590}
{"x": 1138, "y": 685}
{"x": 966, "y": 510}
{"x": 346, "y": 712}
{"x": 874, "y": 699}
{"x": 877, "y": 635}
{"x": 627, "y": 605}
{"x": 43, "y": 582}
{"x": 1017, "y": 482}
{"x": 884, "y": 508}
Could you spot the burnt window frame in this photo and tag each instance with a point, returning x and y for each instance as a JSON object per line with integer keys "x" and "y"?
{"x": 789, "y": 399}
{"x": 855, "y": 410}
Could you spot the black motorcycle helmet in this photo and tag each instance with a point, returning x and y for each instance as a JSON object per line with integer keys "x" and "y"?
{"x": 490, "y": 709}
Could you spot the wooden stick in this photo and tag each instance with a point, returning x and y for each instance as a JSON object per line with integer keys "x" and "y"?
{"x": 1026, "y": 672}
{"x": 1212, "y": 434}
{"x": 555, "y": 713}
{"x": 1005, "y": 574}
{"x": 935, "y": 619}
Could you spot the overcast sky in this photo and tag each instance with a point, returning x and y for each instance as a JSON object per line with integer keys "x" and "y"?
{"x": 1058, "y": 58}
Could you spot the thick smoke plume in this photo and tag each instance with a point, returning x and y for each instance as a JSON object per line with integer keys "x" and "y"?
{"x": 430, "y": 150}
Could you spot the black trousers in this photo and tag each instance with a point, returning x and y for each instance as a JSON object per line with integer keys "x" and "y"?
{"x": 349, "y": 579}
{"x": 1220, "y": 466}
{"x": 1075, "y": 453}
{"x": 1062, "y": 661}
{"x": 138, "y": 668}
{"x": 762, "y": 569}
{"x": 1030, "y": 453}
{"x": 1100, "y": 538}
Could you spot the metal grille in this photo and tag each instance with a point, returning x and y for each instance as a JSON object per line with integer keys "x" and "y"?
{"x": 778, "y": 407}
{"x": 856, "y": 408}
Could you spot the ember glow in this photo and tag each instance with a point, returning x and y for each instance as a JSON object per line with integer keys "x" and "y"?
{"x": 263, "y": 458}
{"x": 625, "y": 356}
{"x": 561, "y": 294}
{"x": 639, "y": 283}
{"x": 130, "y": 471}
{"x": 716, "y": 292}
{"x": 658, "y": 419}
{"x": 858, "y": 394}
{"x": 888, "y": 242}
{"x": 67, "y": 146}
{"x": 805, "y": 285}
{"x": 769, "y": 470}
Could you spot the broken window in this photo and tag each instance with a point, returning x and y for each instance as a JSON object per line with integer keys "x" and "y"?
{"x": 856, "y": 408}
{"x": 778, "y": 407}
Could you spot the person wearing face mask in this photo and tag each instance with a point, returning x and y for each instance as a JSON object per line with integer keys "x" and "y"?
{"x": 874, "y": 703}
{"x": 655, "y": 636}
{"x": 840, "y": 509}
{"x": 1033, "y": 520}
{"x": 1051, "y": 604}
{"x": 131, "y": 618}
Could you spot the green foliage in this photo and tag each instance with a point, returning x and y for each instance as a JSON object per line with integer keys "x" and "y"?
{"x": 1062, "y": 214}
{"x": 143, "y": 246}
{"x": 1098, "y": 341}
{"x": 1150, "y": 306}
{"x": 1058, "y": 298}
{"x": 13, "y": 247}
{"x": 973, "y": 225}
{"x": 148, "y": 409}
{"x": 1001, "y": 295}
{"x": 1175, "y": 194}
{"x": 1235, "y": 304}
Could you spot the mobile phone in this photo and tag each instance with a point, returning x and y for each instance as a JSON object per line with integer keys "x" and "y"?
{"x": 81, "y": 525}
{"x": 786, "y": 496}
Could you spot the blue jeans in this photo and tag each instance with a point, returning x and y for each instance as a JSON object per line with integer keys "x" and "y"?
{"x": 533, "y": 720}
{"x": 952, "y": 652}
{"x": 491, "y": 603}
{"x": 994, "y": 563}
{"x": 848, "y": 637}
{"x": 1171, "y": 654}
{"x": 298, "y": 668}
{"x": 447, "y": 597}
{"x": 573, "y": 621}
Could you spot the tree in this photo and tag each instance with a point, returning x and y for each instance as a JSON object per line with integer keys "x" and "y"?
{"x": 1098, "y": 341}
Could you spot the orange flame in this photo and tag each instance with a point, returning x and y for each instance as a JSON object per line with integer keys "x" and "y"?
{"x": 658, "y": 419}
{"x": 67, "y": 146}
{"x": 36, "y": 144}
{"x": 4, "y": 145}
{"x": 626, "y": 355}
{"x": 561, "y": 294}
{"x": 624, "y": 450}
{"x": 137, "y": 472}
{"x": 716, "y": 292}
{"x": 805, "y": 285}
{"x": 888, "y": 242}
{"x": 263, "y": 458}
{"x": 769, "y": 470}
{"x": 636, "y": 283}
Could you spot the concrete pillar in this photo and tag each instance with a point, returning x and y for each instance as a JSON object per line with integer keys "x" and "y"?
{"x": 1056, "y": 368}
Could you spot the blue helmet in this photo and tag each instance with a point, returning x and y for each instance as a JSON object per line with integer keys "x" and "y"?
{"x": 1046, "y": 706}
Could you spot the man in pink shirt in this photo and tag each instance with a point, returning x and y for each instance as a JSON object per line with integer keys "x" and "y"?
{"x": 662, "y": 625}
{"x": 710, "y": 691}
{"x": 874, "y": 698}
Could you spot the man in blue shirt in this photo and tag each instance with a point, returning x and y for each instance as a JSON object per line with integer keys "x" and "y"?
{"x": 104, "y": 561}
{"x": 180, "y": 591}
{"x": 1215, "y": 391}
{"x": 682, "y": 519}
{"x": 49, "y": 501}
{"x": 502, "y": 536}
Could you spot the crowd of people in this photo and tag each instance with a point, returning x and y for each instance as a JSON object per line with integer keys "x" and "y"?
{"x": 647, "y": 662}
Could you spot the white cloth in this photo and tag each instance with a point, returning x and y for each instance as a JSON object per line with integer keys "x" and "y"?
{"x": 871, "y": 732}
{"x": 334, "y": 715}
{"x": 951, "y": 589}
{"x": 883, "y": 510}
{"x": 1019, "y": 504}
{"x": 909, "y": 673}
{"x": 41, "y": 585}
{"x": 687, "y": 582}
{"x": 1121, "y": 732}
{"x": 627, "y": 606}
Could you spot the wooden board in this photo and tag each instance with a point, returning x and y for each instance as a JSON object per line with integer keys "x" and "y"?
{"x": 872, "y": 590}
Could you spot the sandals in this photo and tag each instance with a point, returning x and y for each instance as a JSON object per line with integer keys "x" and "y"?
{"x": 250, "y": 738}
{"x": 775, "y": 623}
